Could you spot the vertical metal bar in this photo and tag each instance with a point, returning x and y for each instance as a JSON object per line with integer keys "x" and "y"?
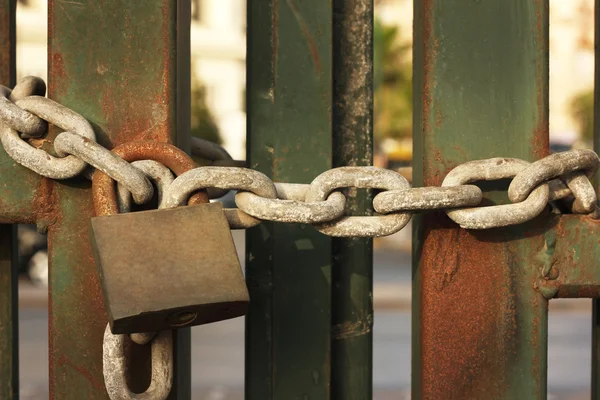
{"x": 481, "y": 90}
{"x": 9, "y": 329}
{"x": 288, "y": 267}
{"x": 120, "y": 72}
{"x": 352, "y": 265}
{"x": 8, "y": 42}
{"x": 181, "y": 138}
{"x": 596, "y": 302}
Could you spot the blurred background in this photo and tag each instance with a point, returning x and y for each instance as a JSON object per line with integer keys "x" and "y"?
{"x": 218, "y": 114}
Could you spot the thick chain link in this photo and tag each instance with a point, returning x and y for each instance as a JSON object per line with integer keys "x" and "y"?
{"x": 25, "y": 114}
{"x": 322, "y": 203}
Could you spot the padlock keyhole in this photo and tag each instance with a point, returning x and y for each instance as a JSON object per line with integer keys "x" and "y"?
{"x": 181, "y": 318}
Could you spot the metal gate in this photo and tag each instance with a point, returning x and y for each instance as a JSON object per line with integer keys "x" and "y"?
{"x": 480, "y": 296}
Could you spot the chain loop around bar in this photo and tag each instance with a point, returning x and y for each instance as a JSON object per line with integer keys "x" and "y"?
{"x": 500, "y": 215}
{"x": 321, "y": 203}
{"x": 359, "y": 177}
{"x": 16, "y": 117}
{"x": 38, "y": 160}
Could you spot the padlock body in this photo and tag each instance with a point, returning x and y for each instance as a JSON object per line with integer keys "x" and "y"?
{"x": 165, "y": 269}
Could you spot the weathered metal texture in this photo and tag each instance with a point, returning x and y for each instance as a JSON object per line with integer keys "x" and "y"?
{"x": 553, "y": 166}
{"x": 501, "y": 215}
{"x": 116, "y": 367}
{"x": 160, "y": 176}
{"x": 9, "y": 328}
{"x": 292, "y": 210}
{"x": 38, "y": 160}
{"x": 125, "y": 53}
{"x": 288, "y": 267}
{"x": 569, "y": 257}
{"x": 352, "y": 258}
{"x": 105, "y": 198}
{"x": 187, "y": 268}
{"x": 419, "y": 199}
{"x": 22, "y": 192}
{"x": 596, "y": 182}
{"x": 481, "y": 91}
{"x": 359, "y": 177}
{"x": 8, "y": 41}
{"x": 18, "y": 118}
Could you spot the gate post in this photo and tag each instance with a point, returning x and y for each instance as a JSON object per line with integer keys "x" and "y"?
{"x": 120, "y": 71}
{"x": 9, "y": 329}
{"x": 481, "y": 91}
{"x": 288, "y": 266}
{"x": 352, "y": 258}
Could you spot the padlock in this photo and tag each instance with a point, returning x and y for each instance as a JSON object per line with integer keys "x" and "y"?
{"x": 166, "y": 269}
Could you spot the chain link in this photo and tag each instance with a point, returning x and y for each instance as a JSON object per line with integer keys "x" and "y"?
{"x": 25, "y": 114}
{"x": 562, "y": 177}
{"x": 115, "y": 366}
{"x": 156, "y": 172}
{"x": 15, "y": 116}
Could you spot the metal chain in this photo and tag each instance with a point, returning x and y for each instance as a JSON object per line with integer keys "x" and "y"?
{"x": 560, "y": 177}
{"x": 25, "y": 114}
{"x": 115, "y": 366}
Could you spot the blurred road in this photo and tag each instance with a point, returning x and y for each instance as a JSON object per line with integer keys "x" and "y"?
{"x": 218, "y": 349}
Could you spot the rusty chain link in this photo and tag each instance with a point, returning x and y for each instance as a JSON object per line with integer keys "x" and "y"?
{"x": 322, "y": 203}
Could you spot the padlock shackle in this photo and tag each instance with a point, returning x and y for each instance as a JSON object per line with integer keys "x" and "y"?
{"x": 103, "y": 186}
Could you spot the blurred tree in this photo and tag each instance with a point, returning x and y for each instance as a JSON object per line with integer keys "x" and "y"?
{"x": 392, "y": 84}
{"x": 582, "y": 110}
{"x": 203, "y": 123}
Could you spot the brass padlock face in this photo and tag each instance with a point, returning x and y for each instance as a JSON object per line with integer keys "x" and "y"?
{"x": 164, "y": 269}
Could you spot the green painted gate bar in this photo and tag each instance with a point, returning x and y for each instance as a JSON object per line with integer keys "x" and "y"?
{"x": 288, "y": 267}
{"x": 595, "y": 378}
{"x": 9, "y": 329}
{"x": 480, "y": 91}
{"x": 352, "y": 265}
{"x": 115, "y": 62}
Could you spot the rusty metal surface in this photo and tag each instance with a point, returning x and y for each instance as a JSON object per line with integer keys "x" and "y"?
{"x": 178, "y": 261}
{"x": 570, "y": 256}
{"x": 9, "y": 312}
{"x": 480, "y": 91}
{"x": 125, "y": 54}
{"x": 105, "y": 198}
{"x": 116, "y": 367}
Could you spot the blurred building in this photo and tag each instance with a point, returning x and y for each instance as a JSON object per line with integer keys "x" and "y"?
{"x": 219, "y": 51}
{"x": 571, "y": 54}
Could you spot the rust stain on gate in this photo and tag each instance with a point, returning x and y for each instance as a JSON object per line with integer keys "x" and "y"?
{"x": 479, "y": 325}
